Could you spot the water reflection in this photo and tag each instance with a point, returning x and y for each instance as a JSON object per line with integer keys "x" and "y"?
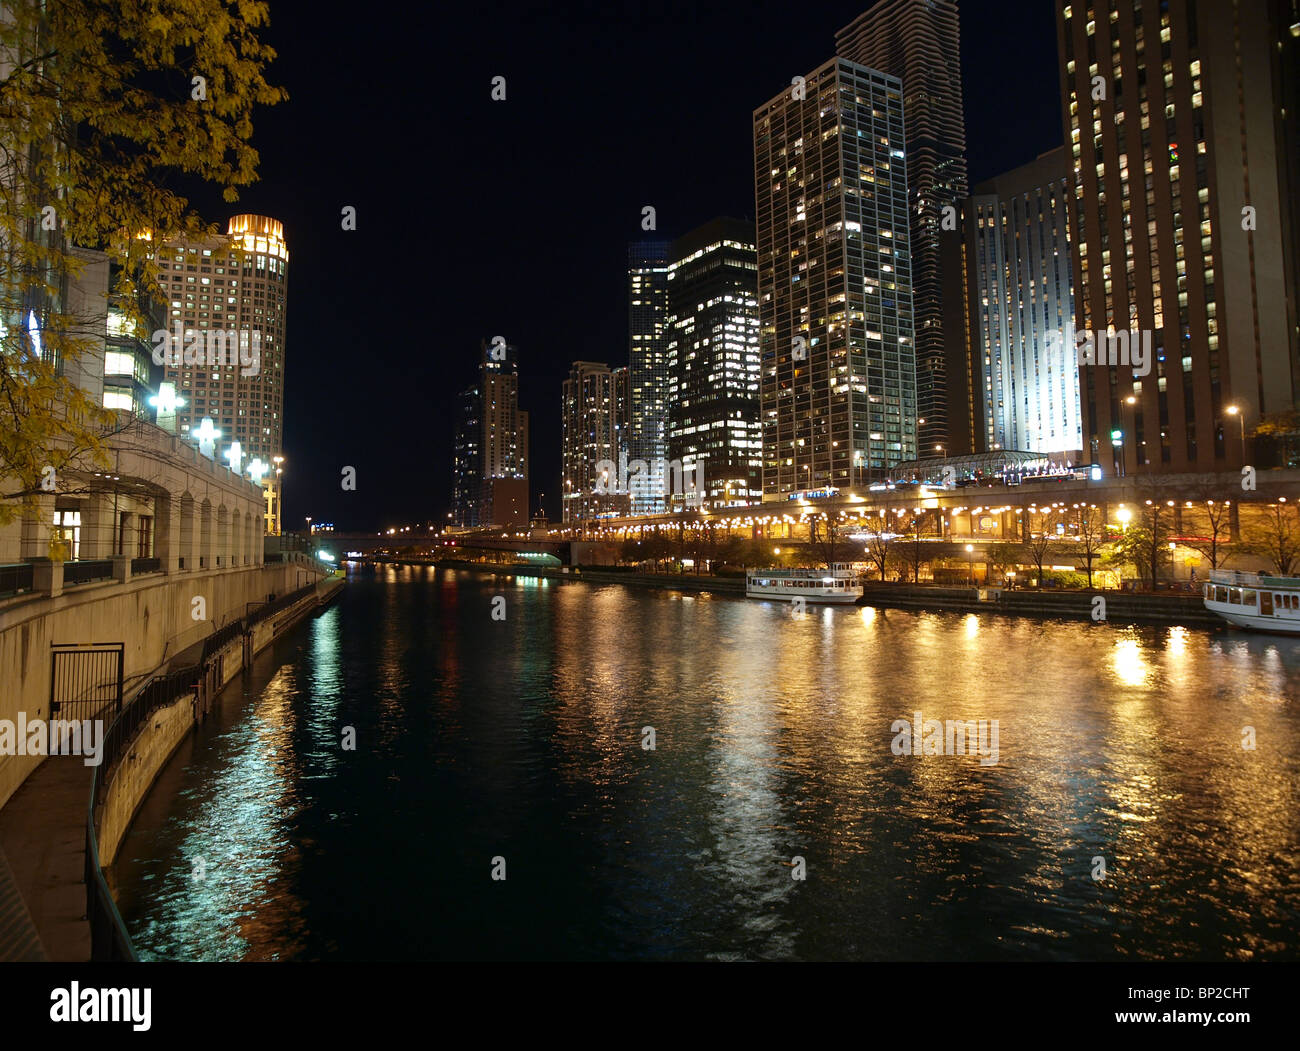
{"x": 529, "y": 739}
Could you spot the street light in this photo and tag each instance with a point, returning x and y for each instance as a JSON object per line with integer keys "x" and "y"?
{"x": 1235, "y": 410}
{"x": 970, "y": 557}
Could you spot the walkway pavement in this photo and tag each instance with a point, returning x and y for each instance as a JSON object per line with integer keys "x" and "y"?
{"x": 43, "y": 837}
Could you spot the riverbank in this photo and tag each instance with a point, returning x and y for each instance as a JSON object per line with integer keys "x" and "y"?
{"x": 1121, "y": 606}
{"x": 43, "y": 826}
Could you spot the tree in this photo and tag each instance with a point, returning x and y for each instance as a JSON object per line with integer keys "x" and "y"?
{"x": 824, "y": 542}
{"x": 1273, "y": 534}
{"x": 102, "y": 108}
{"x": 879, "y": 540}
{"x": 1217, "y": 516}
{"x": 1041, "y": 533}
{"x": 913, "y": 552}
{"x": 1091, "y": 535}
{"x": 1004, "y": 557}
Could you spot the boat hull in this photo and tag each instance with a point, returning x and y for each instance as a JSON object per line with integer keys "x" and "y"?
{"x": 1256, "y": 622}
{"x": 847, "y": 598}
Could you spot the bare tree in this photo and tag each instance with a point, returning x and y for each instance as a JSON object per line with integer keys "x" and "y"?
{"x": 1091, "y": 535}
{"x": 1273, "y": 534}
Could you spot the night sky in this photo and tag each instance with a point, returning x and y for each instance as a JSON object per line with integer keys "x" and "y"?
{"x": 477, "y": 218}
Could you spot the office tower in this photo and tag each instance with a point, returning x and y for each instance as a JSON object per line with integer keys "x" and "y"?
{"x": 648, "y": 377}
{"x": 504, "y": 461}
{"x": 231, "y": 314}
{"x": 1184, "y": 225}
{"x": 467, "y": 470}
{"x": 622, "y": 407}
{"x": 713, "y": 363}
{"x": 838, "y": 392}
{"x": 919, "y": 41}
{"x": 589, "y": 444}
{"x": 490, "y": 450}
{"x": 1022, "y": 309}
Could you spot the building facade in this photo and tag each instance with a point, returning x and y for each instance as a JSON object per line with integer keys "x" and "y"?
{"x": 648, "y": 373}
{"x": 589, "y": 424}
{"x": 229, "y": 310}
{"x": 713, "y": 363}
{"x": 1184, "y": 225}
{"x": 1022, "y": 309}
{"x": 490, "y": 448}
{"x": 838, "y": 391}
{"x": 919, "y": 41}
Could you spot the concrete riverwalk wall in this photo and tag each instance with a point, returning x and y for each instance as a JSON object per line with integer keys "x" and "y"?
{"x": 154, "y": 616}
{"x": 160, "y": 736}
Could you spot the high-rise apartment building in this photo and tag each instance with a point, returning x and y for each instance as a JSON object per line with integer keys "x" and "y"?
{"x": 229, "y": 311}
{"x": 1177, "y": 125}
{"x": 919, "y": 41}
{"x": 838, "y": 391}
{"x": 648, "y": 374}
{"x": 713, "y": 363}
{"x": 490, "y": 454}
{"x": 589, "y": 444}
{"x": 1022, "y": 309}
{"x": 467, "y": 460}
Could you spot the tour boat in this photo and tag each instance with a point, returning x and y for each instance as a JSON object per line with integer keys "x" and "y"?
{"x": 838, "y": 584}
{"x": 1254, "y": 601}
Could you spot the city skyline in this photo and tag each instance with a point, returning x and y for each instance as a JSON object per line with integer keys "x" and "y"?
{"x": 576, "y": 307}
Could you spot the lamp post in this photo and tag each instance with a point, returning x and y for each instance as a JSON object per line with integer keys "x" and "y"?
{"x": 970, "y": 558}
{"x": 1235, "y": 410}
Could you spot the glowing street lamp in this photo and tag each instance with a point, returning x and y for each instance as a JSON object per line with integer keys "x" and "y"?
{"x": 1235, "y": 410}
{"x": 235, "y": 454}
{"x": 970, "y": 557}
{"x": 207, "y": 436}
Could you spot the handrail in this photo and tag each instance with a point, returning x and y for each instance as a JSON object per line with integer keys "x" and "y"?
{"x": 1256, "y": 580}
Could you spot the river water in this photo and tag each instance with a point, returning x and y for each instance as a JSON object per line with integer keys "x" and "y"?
{"x": 519, "y": 747}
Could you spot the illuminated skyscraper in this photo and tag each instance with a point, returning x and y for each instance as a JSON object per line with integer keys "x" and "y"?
{"x": 235, "y": 309}
{"x": 919, "y": 41}
{"x": 589, "y": 443}
{"x": 490, "y": 456}
{"x": 713, "y": 364}
{"x": 834, "y": 281}
{"x": 1022, "y": 323}
{"x": 648, "y": 374}
{"x": 1180, "y": 118}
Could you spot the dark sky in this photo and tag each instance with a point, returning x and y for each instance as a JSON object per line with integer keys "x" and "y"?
{"x": 477, "y": 218}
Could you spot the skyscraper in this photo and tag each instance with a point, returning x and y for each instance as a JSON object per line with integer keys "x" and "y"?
{"x": 919, "y": 41}
{"x": 713, "y": 363}
{"x": 589, "y": 444}
{"x": 838, "y": 391}
{"x": 1184, "y": 229}
{"x": 490, "y": 456}
{"x": 467, "y": 460}
{"x": 233, "y": 312}
{"x": 1022, "y": 309}
{"x": 648, "y": 374}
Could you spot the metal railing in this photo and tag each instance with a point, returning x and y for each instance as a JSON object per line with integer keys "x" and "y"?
{"x": 269, "y": 609}
{"x": 15, "y": 579}
{"x": 85, "y": 572}
{"x": 145, "y": 565}
{"x": 109, "y": 939}
{"x": 1252, "y": 580}
{"x": 221, "y": 638}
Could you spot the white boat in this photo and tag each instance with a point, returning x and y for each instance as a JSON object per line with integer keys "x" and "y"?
{"x": 1254, "y": 601}
{"x": 839, "y": 584}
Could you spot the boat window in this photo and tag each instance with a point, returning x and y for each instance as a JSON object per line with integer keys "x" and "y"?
{"x": 1220, "y": 594}
{"x": 1234, "y": 596}
{"x": 1247, "y": 598}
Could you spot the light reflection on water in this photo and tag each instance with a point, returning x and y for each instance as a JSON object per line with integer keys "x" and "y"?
{"x": 523, "y": 739}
